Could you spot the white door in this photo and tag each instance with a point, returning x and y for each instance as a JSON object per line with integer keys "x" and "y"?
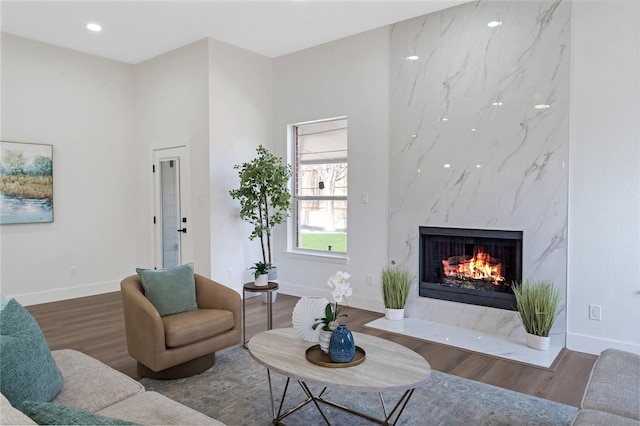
{"x": 173, "y": 231}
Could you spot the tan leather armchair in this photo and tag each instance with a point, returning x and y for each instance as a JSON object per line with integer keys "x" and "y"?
{"x": 183, "y": 344}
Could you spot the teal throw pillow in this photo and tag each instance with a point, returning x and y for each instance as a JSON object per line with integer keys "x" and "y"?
{"x": 28, "y": 372}
{"x": 170, "y": 290}
{"x": 47, "y": 413}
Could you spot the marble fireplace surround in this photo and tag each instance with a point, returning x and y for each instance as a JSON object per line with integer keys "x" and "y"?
{"x": 468, "y": 148}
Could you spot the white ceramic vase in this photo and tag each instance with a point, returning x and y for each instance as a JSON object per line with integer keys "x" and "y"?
{"x": 394, "y": 314}
{"x": 262, "y": 280}
{"x": 538, "y": 342}
{"x": 304, "y": 316}
{"x": 325, "y": 338}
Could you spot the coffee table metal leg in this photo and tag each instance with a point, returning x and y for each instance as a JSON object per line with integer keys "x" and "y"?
{"x": 269, "y": 313}
{"x": 396, "y": 412}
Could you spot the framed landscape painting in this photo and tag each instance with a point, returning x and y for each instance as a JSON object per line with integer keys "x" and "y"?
{"x": 26, "y": 182}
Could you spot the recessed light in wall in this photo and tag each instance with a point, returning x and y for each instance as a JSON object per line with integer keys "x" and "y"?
{"x": 92, "y": 26}
{"x": 413, "y": 58}
{"x": 542, "y": 106}
{"x": 494, "y": 24}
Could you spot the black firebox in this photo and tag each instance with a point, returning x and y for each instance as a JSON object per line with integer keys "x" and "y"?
{"x": 475, "y": 266}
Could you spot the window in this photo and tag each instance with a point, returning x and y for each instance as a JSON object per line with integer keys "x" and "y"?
{"x": 320, "y": 185}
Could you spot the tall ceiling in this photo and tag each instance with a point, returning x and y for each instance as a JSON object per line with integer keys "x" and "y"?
{"x": 134, "y": 31}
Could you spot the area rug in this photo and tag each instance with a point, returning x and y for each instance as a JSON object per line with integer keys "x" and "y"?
{"x": 235, "y": 391}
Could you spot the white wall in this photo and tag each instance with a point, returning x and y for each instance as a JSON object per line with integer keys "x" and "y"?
{"x": 241, "y": 118}
{"x": 83, "y": 106}
{"x": 604, "y": 189}
{"x": 347, "y": 77}
{"x": 172, "y": 108}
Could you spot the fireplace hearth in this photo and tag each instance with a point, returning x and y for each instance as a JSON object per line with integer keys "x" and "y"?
{"x": 475, "y": 266}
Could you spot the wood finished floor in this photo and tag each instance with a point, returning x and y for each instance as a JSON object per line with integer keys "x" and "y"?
{"x": 95, "y": 325}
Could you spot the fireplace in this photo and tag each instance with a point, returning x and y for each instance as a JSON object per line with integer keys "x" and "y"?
{"x": 475, "y": 266}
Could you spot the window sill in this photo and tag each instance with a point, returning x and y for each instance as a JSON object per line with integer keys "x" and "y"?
{"x": 342, "y": 259}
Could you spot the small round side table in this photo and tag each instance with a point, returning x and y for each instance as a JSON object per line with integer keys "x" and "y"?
{"x": 252, "y": 288}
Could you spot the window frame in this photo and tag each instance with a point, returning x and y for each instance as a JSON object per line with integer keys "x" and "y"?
{"x": 293, "y": 226}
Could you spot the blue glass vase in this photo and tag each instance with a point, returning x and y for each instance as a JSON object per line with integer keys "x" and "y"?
{"x": 341, "y": 346}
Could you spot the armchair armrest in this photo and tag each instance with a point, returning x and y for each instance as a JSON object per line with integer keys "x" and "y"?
{"x": 143, "y": 324}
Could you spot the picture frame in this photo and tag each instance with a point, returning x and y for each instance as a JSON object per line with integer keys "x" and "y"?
{"x": 26, "y": 183}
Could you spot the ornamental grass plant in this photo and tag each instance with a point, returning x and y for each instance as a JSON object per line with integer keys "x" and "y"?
{"x": 395, "y": 287}
{"x": 537, "y": 303}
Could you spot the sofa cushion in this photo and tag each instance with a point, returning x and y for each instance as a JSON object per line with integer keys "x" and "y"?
{"x": 170, "y": 290}
{"x": 47, "y": 413}
{"x": 10, "y": 415}
{"x": 27, "y": 368}
{"x": 190, "y": 327}
{"x": 613, "y": 385}
{"x": 89, "y": 384}
{"x": 152, "y": 408}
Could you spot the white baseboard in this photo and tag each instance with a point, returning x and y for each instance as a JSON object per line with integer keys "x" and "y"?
{"x": 54, "y": 295}
{"x": 595, "y": 345}
{"x": 355, "y": 301}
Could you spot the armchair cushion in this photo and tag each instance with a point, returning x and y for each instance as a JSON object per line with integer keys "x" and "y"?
{"x": 35, "y": 377}
{"x": 170, "y": 290}
{"x": 190, "y": 327}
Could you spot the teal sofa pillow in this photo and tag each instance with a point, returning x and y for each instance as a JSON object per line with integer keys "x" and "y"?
{"x": 47, "y": 413}
{"x": 28, "y": 372}
{"x": 170, "y": 290}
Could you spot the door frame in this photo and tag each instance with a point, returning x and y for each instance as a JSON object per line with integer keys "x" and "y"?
{"x": 182, "y": 152}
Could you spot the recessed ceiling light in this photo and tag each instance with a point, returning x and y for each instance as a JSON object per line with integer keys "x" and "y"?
{"x": 542, "y": 106}
{"x": 497, "y": 103}
{"x": 445, "y": 119}
{"x": 473, "y": 130}
{"x": 92, "y": 26}
{"x": 446, "y": 166}
{"x": 494, "y": 24}
{"x": 413, "y": 58}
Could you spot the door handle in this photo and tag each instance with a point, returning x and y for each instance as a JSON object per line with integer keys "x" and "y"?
{"x": 183, "y": 230}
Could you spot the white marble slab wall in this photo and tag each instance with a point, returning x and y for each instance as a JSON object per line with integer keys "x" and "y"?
{"x": 468, "y": 148}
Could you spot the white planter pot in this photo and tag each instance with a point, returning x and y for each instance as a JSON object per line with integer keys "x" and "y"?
{"x": 325, "y": 338}
{"x": 262, "y": 280}
{"x": 394, "y": 314}
{"x": 538, "y": 342}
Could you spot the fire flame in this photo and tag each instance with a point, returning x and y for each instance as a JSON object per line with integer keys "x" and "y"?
{"x": 481, "y": 266}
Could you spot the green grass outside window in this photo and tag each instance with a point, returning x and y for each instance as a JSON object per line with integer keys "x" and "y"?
{"x": 322, "y": 241}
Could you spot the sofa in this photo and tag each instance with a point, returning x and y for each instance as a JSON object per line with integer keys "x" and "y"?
{"x": 612, "y": 396}
{"x": 91, "y": 386}
{"x": 67, "y": 387}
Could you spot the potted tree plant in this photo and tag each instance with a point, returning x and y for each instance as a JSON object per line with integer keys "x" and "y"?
{"x": 537, "y": 304}
{"x": 395, "y": 290}
{"x": 265, "y": 200}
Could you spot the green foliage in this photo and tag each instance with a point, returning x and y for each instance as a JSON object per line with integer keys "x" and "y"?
{"x": 43, "y": 166}
{"x": 537, "y": 304}
{"x": 264, "y": 198}
{"x": 260, "y": 268}
{"x": 395, "y": 287}
{"x": 330, "y": 319}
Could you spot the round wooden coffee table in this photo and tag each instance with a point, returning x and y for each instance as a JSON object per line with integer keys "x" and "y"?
{"x": 388, "y": 366}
